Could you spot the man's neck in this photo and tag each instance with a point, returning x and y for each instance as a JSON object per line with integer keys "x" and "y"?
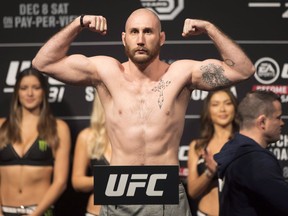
{"x": 153, "y": 71}
{"x": 255, "y": 135}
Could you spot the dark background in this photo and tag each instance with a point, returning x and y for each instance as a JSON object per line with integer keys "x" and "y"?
{"x": 261, "y": 32}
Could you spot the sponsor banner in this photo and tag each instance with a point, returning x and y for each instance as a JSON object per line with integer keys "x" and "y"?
{"x": 116, "y": 185}
{"x": 280, "y": 150}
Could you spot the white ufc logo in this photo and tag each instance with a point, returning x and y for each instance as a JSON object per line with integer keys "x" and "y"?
{"x": 149, "y": 184}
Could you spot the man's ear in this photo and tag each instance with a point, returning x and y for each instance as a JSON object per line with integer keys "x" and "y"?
{"x": 261, "y": 121}
{"x": 123, "y": 38}
{"x": 162, "y": 38}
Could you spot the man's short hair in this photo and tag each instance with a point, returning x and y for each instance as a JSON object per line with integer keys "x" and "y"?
{"x": 254, "y": 104}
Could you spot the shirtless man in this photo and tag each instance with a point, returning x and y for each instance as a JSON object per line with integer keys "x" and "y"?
{"x": 144, "y": 98}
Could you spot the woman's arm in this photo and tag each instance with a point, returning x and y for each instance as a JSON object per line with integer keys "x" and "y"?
{"x": 196, "y": 184}
{"x": 80, "y": 180}
{"x": 61, "y": 170}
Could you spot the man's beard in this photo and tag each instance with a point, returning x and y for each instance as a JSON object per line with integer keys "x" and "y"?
{"x": 144, "y": 59}
{"x": 273, "y": 139}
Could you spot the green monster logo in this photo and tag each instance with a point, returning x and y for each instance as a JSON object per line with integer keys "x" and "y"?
{"x": 42, "y": 145}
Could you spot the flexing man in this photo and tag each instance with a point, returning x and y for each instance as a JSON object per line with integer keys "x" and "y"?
{"x": 144, "y": 98}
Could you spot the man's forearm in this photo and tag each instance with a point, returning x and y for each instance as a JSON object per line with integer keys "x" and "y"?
{"x": 231, "y": 52}
{"x": 57, "y": 46}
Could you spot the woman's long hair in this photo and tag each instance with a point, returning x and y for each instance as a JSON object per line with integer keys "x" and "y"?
{"x": 207, "y": 128}
{"x": 10, "y": 132}
{"x": 98, "y": 140}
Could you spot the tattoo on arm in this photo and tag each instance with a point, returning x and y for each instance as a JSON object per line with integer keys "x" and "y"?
{"x": 160, "y": 88}
{"x": 229, "y": 62}
{"x": 213, "y": 76}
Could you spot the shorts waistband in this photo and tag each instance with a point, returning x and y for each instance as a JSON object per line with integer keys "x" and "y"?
{"x": 89, "y": 214}
{"x": 199, "y": 213}
{"x": 19, "y": 210}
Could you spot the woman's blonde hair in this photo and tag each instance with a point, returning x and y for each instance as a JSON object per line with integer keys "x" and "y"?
{"x": 98, "y": 139}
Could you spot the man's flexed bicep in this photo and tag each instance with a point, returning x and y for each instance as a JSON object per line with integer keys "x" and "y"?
{"x": 52, "y": 57}
{"x": 234, "y": 66}
{"x": 213, "y": 74}
{"x": 75, "y": 69}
